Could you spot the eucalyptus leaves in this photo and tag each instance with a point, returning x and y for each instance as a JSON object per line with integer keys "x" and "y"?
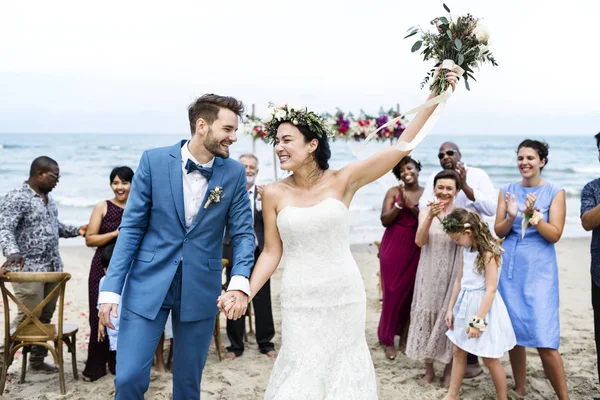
{"x": 464, "y": 41}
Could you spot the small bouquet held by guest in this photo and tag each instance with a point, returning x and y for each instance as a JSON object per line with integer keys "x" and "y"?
{"x": 462, "y": 42}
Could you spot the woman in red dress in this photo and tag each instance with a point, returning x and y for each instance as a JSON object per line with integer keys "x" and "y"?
{"x": 103, "y": 229}
{"x": 398, "y": 254}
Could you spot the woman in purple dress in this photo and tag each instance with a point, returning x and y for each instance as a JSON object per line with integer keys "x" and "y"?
{"x": 398, "y": 254}
{"x": 103, "y": 229}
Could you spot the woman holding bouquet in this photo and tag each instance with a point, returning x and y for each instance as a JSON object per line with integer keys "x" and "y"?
{"x": 398, "y": 254}
{"x": 531, "y": 218}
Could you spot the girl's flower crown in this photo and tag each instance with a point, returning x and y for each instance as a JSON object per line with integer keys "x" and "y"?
{"x": 452, "y": 225}
{"x": 297, "y": 115}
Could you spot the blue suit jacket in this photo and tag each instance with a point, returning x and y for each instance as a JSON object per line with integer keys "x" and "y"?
{"x": 153, "y": 238}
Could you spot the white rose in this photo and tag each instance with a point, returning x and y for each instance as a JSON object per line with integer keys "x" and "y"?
{"x": 481, "y": 32}
{"x": 280, "y": 114}
{"x": 268, "y": 116}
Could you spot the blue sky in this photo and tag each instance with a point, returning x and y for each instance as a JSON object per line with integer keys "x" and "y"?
{"x": 134, "y": 66}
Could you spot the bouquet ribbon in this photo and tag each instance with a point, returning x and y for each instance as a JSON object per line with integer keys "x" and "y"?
{"x": 431, "y": 121}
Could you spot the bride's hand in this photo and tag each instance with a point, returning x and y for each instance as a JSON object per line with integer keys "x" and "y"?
{"x": 225, "y": 302}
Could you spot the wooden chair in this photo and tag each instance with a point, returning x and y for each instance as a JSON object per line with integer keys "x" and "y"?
{"x": 32, "y": 331}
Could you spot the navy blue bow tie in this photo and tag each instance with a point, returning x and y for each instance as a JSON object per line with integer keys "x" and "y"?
{"x": 192, "y": 166}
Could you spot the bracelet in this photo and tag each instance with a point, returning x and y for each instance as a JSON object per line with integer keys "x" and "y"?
{"x": 398, "y": 206}
{"x": 478, "y": 323}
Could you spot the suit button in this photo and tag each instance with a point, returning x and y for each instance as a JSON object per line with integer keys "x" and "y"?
{"x": 185, "y": 240}
{"x": 175, "y": 261}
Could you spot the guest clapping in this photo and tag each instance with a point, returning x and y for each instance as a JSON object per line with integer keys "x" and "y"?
{"x": 531, "y": 218}
{"x": 399, "y": 254}
{"x": 438, "y": 266}
{"x": 103, "y": 230}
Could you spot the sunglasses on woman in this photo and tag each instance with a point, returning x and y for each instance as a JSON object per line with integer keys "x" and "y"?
{"x": 449, "y": 153}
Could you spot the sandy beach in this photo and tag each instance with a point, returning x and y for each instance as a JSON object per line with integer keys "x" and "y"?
{"x": 247, "y": 377}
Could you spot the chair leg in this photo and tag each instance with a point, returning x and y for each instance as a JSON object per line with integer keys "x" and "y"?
{"x": 71, "y": 348}
{"x": 24, "y": 364}
{"x": 217, "y": 336}
{"x": 4, "y": 369}
{"x": 56, "y": 351}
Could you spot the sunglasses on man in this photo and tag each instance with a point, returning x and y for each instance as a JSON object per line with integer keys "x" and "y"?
{"x": 449, "y": 153}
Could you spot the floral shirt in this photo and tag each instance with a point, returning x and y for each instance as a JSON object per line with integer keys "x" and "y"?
{"x": 590, "y": 198}
{"x": 30, "y": 227}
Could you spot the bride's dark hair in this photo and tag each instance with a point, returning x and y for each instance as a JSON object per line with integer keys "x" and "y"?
{"x": 323, "y": 152}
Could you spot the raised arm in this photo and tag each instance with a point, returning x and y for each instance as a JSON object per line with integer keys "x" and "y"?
{"x": 485, "y": 202}
{"x": 361, "y": 173}
{"x": 93, "y": 238}
{"x": 426, "y": 216}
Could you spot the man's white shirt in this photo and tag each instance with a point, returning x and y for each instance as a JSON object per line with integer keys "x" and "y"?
{"x": 195, "y": 186}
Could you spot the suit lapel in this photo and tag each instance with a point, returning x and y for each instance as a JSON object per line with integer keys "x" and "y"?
{"x": 176, "y": 178}
{"x": 215, "y": 180}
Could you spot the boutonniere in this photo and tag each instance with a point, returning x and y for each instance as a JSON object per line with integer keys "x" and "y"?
{"x": 530, "y": 219}
{"x": 214, "y": 196}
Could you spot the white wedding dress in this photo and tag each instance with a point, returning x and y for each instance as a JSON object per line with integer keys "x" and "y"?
{"x": 324, "y": 353}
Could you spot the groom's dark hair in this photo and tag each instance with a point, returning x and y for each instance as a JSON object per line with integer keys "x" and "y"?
{"x": 207, "y": 107}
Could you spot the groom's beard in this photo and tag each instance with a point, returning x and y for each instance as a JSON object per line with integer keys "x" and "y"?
{"x": 214, "y": 146}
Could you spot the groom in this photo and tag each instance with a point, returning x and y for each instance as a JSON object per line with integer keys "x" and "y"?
{"x": 168, "y": 254}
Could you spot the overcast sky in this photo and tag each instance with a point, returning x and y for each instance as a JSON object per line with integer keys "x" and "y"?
{"x": 134, "y": 66}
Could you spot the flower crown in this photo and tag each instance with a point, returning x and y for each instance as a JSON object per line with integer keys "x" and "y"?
{"x": 297, "y": 115}
{"x": 452, "y": 225}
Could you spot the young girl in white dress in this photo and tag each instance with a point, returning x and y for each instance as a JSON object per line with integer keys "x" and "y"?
{"x": 477, "y": 318}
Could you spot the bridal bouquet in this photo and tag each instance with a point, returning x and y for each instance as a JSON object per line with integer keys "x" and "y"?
{"x": 462, "y": 42}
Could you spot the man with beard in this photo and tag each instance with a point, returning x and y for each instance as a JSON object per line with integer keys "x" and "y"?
{"x": 29, "y": 232}
{"x": 477, "y": 194}
{"x": 169, "y": 250}
{"x": 265, "y": 328}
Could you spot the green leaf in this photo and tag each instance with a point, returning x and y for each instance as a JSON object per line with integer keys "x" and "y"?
{"x": 444, "y": 20}
{"x": 467, "y": 84}
{"x": 449, "y": 33}
{"x": 411, "y": 34}
{"x": 458, "y": 44}
{"x": 461, "y": 59}
{"x": 411, "y": 28}
{"x": 471, "y": 76}
{"x": 416, "y": 46}
{"x": 446, "y": 7}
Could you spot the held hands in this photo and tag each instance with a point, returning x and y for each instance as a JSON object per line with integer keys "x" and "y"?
{"x": 233, "y": 304}
{"x": 14, "y": 260}
{"x": 104, "y": 314}
{"x": 511, "y": 205}
{"x": 473, "y": 333}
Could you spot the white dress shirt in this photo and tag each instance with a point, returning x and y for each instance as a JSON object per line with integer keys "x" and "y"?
{"x": 486, "y": 197}
{"x": 194, "y": 189}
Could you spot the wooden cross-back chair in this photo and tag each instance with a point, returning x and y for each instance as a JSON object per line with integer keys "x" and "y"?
{"x": 32, "y": 332}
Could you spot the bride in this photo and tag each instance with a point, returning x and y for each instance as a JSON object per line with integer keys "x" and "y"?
{"x": 324, "y": 353}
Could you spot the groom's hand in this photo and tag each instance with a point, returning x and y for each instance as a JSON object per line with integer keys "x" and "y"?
{"x": 237, "y": 308}
{"x": 105, "y": 311}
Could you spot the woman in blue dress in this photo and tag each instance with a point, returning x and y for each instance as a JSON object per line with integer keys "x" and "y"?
{"x": 531, "y": 218}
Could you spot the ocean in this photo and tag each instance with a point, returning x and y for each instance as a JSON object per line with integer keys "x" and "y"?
{"x": 86, "y": 160}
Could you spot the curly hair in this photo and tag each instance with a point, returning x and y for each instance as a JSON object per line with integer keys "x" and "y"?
{"x": 461, "y": 220}
{"x": 402, "y": 163}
